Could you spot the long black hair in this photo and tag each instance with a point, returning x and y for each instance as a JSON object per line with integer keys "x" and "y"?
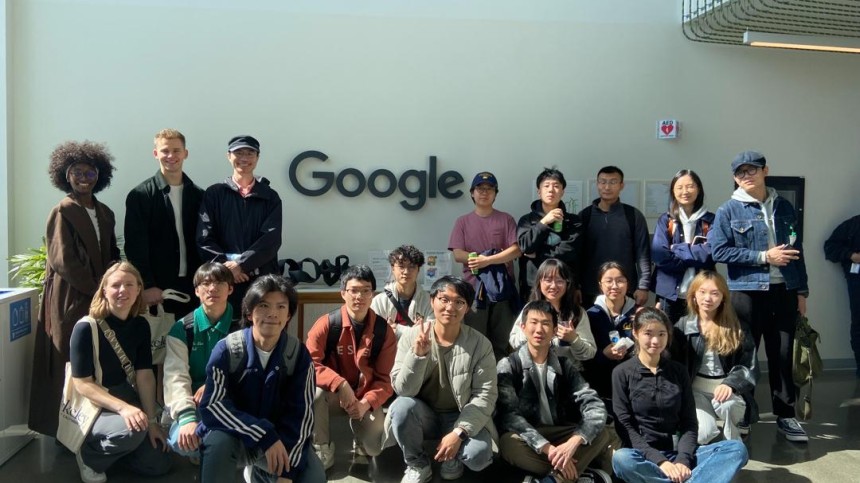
{"x": 568, "y": 310}
{"x": 700, "y": 198}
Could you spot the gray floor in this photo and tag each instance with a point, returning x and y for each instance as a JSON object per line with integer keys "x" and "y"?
{"x": 833, "y": 452}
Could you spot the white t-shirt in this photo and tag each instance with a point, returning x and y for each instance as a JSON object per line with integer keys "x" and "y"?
{"x": 545, "y": 413}
{"x": 176, "y": 202}
{"x": 95, "y": 220}
{"x": 263, "y": 355}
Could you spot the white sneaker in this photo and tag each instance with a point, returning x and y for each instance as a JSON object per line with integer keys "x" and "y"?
{"x": 451, "y": 469}
{"x": 414, "y": 474}
{"x": 89, "y": 475}
{"x": 325, "y": 452}
{"x": 247, "y": 473}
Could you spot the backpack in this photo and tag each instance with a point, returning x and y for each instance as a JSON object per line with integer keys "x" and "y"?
{"x": 629, "y": 214}
{"x": 236, "y": 348}
{"x": 706, "y": 227}
{"x": 335, "y": 327}
{"x": 807, "y": 363}
{"x": 188, "y": 324}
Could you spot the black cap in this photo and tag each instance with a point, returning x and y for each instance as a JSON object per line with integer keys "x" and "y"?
{"x": 751, "y": 158}
{"x": 240, "y": 142}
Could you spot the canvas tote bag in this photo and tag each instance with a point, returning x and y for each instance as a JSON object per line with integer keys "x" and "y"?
{"x": 78, "y": 413}
{"x": 161, "y": 323}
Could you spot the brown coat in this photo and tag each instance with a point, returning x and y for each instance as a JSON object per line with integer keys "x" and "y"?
{"x": 76, "y": 263}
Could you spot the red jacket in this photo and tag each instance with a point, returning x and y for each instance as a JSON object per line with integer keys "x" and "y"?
{"x": 373, "y": 384}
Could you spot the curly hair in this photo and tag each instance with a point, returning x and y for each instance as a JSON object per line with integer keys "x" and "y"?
{"x": 70, "y": 153}
{"x": 406, "y": 253}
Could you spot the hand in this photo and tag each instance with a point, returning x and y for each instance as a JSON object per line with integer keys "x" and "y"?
{"x": 478, "y": 262}
{"x": 198, "y": 395}
{"x": 855, "y": 257}
{"x": 559, "y": 456}
{"x": 566, "y": 333}
{"x": 722, "y": 393}
{"x": 781, "y": 255}
{"x": 672, "y": 471}
{"x": 345, "y": 396}
{"x": 640, "y": 296}
{"x": 421, "y": 345}
{"x": 359, "y": 409}
{"x": 685, "y": 472}
{"x": 553, "y": 216}
{"x": 152, "y": 296}
{"x": 277, "y": 458}
{"x": 801, "y": 305}
{"x": 614, "y": 354}
{"x": 392, "y": 321}
{"x": 188, "y": 439}
{"x": 156, "y": 435}
{"x": 658, "y": 306}
{"x": 448, "y": 447}
{"x": 238, "y": 275}
{"x": 135, "y": 419}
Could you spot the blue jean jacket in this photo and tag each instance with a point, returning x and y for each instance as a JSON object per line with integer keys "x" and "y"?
{"x": 739, "y": 235}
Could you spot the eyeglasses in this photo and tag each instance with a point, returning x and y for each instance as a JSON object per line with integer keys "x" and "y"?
{"x": 610, "y": 182}
{"x": 84, "y": 174}
{"x": 742, "y": 173}
{"x": 211, "y": 283}
{"x": 554, "y": 281}
{"x": 687, "y": 187}
{"x": 358, "y": 293}
{"x": 405, "y": 266}
{"x": 458, "y": 304}
{"x": 244, "y": 152}
{"x": 484, "y": 189}
{"x": 616, "y": 282}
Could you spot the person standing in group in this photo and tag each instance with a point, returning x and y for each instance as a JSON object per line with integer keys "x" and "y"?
{"x": 492, "y": 236}
{"x": 403, "y": 302}
{"x": 548, "y": 231}
{"x": 655, "y": 416}
{"x": 80, "y": 245}
{"x": 843, "y": 247}
{"x": 680, "y": 246}
{"x": 614, "y": 231}
{"x": 165, "y": 257}
{"x": 719, "y": 356}
{"x": 754, "y": 234}
{"x": 241, "y": 220}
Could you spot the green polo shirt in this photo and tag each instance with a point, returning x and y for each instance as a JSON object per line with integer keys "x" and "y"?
{"x": 206, "y": 335}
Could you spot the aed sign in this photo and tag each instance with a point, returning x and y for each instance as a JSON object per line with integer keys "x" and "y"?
{"x": 414, "y": 185}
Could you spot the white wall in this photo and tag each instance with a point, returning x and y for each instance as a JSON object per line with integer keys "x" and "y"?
{"x": 505, "y": 85}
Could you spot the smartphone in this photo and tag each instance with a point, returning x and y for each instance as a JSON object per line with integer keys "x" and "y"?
{"x": 699, "y": 240}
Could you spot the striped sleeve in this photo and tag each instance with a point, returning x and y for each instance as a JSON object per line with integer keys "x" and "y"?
{"x": 297, "y": 414}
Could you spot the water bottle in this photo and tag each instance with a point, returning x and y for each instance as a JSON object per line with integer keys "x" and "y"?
{"x": 556, "y": 226}
{"x": 614, "y": 337}
{"x": 472, "y": 256}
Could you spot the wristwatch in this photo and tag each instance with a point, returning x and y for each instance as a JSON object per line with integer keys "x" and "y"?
{"x": 461, "y": 433}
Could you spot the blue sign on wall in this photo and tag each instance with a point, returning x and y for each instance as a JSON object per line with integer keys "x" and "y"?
{"x": 19, "y": 319}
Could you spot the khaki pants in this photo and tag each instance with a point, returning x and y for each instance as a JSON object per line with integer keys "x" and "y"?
{"x": 367, "y": 432}
{"x": 516, "y": 452}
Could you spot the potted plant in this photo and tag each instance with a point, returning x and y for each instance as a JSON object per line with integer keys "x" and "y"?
{"x": 28, "y": 269}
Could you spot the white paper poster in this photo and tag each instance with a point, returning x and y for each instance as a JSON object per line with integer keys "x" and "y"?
{"x": 656, "y": 198}
{"x": 438, "y": 263}
{"x": 378, "y": 261}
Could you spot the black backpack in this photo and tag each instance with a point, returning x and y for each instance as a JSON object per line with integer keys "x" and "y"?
{"x": 335, "y": 327}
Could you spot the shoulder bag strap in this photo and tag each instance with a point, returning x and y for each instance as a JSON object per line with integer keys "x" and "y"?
{"x": 400, "y": 310}
{"x": 123, "y": 359}
{"x": 96, "y": 365}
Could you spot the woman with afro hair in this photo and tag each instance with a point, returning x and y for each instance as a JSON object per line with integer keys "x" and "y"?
{"x": 81, "y": 245}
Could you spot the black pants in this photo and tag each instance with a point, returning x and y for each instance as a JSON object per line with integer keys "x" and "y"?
{"x": 854, "y": 303}
{"x": 674, "y": 309}
{"x": 772, "y": 315}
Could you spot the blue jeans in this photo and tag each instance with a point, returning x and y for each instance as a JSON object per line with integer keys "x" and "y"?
{"x": 222, "y": 454}
{"x": 715, "y": 463}
{"x": 413, "y": 421}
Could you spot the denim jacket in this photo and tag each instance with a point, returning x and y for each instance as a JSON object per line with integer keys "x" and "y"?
{"x": 739, "y": 237}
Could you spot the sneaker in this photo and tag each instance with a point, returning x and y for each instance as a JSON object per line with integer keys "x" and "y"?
{"x": 791, "y": 429}
{"x": 325, "y": 452}
{"x": 247, "y": 473}
{"x": 89, "y": 475}
{"x": 744, "y": 428}
{"x": 415, "y": 474}
{"x": 358, "y": 448}
{"x": 594, "y": 475}
{"x": 451, "y": 469}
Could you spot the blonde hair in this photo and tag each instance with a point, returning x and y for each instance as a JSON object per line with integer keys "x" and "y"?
{"x": 169, "y": 134}
{"x": 726, "y": 335}
{"x": 99, "y": 308}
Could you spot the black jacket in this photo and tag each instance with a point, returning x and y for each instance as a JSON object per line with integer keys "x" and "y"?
{"x": 688, "y": 348}
{"x": 539, "y": 240}
{"x": 248, "y": 227}
{"x": 844, "y": 241}
{"x": 151, "y": 242}
{"x": 651, "y": 408}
